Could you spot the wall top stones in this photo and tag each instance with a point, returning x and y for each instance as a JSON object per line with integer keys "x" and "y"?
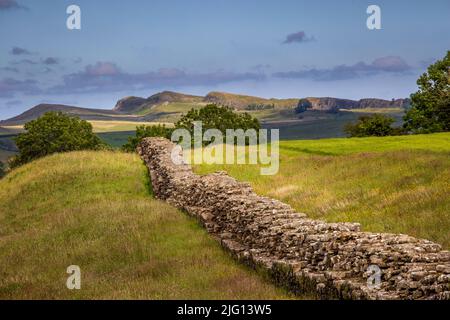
{"x": 330, "y": 260}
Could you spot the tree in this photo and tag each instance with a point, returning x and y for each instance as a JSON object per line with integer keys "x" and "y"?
{"x": 430, "y": 105}
{"x": 303, "y": 105}
{"x": 214, "y": 117}
{"x": 144, "y": 132}
{"x": 374, "y": 125}
{"x": 51, "y": 133}
{"x": 2, "y": 170}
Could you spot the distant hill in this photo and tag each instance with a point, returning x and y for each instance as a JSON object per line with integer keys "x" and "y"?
{"x": 241, "y": 102}
{"x": 334, "y": 104}
{"x": 83, "y": 113}
{"x": 168, "y": 106}
{"x": 131, "y": 105}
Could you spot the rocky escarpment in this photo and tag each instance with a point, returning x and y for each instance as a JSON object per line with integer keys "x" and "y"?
{"x": 129, "y": 105}
{"x": 133, "y": 108}
{"x": 330, "y": 259}
{"x": 334, "y": 104}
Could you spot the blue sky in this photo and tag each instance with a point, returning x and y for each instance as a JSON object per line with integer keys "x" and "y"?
{"x": 266, "y": 48}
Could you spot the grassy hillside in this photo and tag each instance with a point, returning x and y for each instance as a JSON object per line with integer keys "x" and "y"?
{"x": 93, "y": 209}
{"x": 118, "y": 126}
{"x": 170, "y": 111}
{"x": 392, "y": 184}
{"x": 240, "y": 101}
{"x": 83, "y": 113}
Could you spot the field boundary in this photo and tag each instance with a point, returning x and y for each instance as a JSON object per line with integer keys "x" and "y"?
{"x": 329, "y": 260}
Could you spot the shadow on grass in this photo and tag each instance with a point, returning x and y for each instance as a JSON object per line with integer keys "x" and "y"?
{"x": 308, "y": 151}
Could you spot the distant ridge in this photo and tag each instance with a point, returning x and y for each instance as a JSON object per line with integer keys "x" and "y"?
{"x": 129, "y": 105}
{"x": 334, "y": 104}
{"x": 137, "y": 108}
{"x": 83, "y": 113}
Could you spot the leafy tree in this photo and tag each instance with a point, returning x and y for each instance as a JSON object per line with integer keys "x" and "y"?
{"x": 262, "y": 106}
{"x": 51, "y": 133}
{"x": 144, "y": 132}
{"x": 214, "y": 117}
{"x": 303, "y": 105}
{"x": 374, "y": 125}
{"x": 430, "y": 105}
{"x": 2, "y": 170}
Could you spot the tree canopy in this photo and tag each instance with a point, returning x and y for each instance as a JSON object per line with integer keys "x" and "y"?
{"x": 211, "y": 116}
{"x": 51, "y": 133}
{"x": 215, "y": 117}
{"x": 303, "y": 105}
{"x": 144, "y": 131}
{"x": 430, "y": 105}
{"x": 2, "y": 170}
{"x": 374, "y": 125}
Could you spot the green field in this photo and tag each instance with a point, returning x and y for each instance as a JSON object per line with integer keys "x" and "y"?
{"x": 308, "y": 125}
{"x": 393, "y": 184}
{"x": 95, "y": 210}
{"x": 314, "y": 124}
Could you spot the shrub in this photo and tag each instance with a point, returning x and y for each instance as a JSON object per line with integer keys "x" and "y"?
{"x": 2, "y": 170}
{"x": 303, "y": 105}
{"x": 51, "y": 133}
{"x": 211, "y": 116}
{"x": 374, "y": 125}
{"x": 430, "y": 105}
{"x": 144, "y": 131}
{"x": 256, "y": 106}
{"x": 214, "y": 117}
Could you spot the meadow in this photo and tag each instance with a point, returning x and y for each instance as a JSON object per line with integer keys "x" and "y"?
{"x": 398, "y": 184}
{"x": 96, "y": 210}
{"x": 101, "y": 126}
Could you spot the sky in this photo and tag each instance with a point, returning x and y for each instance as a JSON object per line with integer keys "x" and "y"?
{"x": 276, "y": 48}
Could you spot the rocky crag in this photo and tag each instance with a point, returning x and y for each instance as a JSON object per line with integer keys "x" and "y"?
{"x": 330, "y": 260}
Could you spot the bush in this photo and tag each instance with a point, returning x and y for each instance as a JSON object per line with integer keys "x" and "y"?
{"x": 303, "y": 105}
{"x": 255, "y": 106}
{"x": 214, "y": 117}
{"x": 211, "y": 116}
{"x": 430, "y": 105}
{"x": 144, "y": 132}
{"x": 374, "y": 125}
{"x": 51, "y": 133}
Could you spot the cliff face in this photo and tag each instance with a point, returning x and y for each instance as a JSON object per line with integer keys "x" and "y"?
{"x": 328, "y": 104}
{"x": 240, "y": 102}
{"x": 135, "y": 105}
{"x": 334, "y": 104}
{"x": 129, "y": 104}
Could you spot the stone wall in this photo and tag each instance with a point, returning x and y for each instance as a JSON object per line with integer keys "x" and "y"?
{"x": 330, "y": 260}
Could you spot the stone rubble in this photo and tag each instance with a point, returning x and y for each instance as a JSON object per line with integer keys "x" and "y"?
{"x": 329, "y": 260}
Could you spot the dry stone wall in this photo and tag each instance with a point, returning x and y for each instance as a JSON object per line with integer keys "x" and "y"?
{"x": 330, "y": 260}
